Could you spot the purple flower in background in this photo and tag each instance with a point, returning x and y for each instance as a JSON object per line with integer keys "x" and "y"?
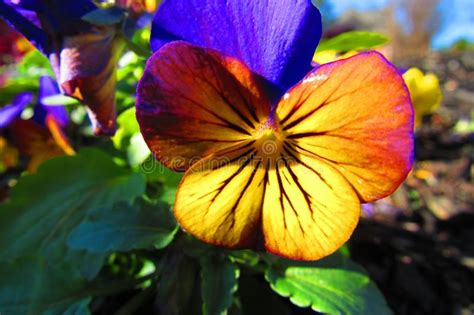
{"x": 41, "y": 137}
{"x": 83, "y": 55}
{"x": 47, "y": 87}
{"x": 12, "y": 111}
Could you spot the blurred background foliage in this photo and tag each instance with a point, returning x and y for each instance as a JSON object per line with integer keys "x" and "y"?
{"x": 417, "y": 245}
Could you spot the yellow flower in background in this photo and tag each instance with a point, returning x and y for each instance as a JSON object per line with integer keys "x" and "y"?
{"x": 425, "y": 93}
{"x": 322, "y": 57}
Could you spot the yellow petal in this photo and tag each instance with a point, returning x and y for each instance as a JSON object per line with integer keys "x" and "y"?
{"x": 309, "y": 209}
{"x": 219, "y": 200}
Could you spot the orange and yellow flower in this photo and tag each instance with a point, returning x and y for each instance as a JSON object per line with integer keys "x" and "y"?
{"x": 290, "y": 177}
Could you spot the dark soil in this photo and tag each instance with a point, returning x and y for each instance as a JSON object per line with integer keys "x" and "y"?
{"x": 418, "y": 245}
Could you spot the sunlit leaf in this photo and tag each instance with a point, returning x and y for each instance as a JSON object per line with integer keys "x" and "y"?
{"x": 106, "y": 16}
{"x": 59, "y": 100}
{"x": 25, "y": 77}
{"x": 333, "y": 285}
{"x": 219, "y": 283}
{"x": 143, "y": 225}
{"x": 355, "y": 40}
{"x": 34, "y": 64}
{"x": 128, "y": 138}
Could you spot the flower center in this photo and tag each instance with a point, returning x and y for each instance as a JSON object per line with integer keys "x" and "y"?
{"x": 269, "y": 139}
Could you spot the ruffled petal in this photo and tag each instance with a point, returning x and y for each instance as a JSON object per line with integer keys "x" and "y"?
{"x": 83, "y": 56}
{"x": 86, "y": 69}
{"x": 275, "y": 39}
{"x": 356, "y": 116}
{"x": 193, "y": 102}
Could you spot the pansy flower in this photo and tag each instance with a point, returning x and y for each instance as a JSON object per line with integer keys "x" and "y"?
{"x": 83, "y": 56}
{"x": 425, "y": 93}
{"x": 41, "y": 137}
{"x": 277, "y": 155}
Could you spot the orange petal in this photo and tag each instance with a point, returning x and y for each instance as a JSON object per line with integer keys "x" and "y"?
{"x": 86, "y": 71}
{"x": 35, "y": 142}
{"x": 356, "y": 116}
{"x": 58, "y": 135}
{"x": 193, "y": 102}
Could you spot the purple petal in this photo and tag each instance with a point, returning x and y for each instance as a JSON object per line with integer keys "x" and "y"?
{"x": 49, "y": 87}
{"x": 64, "y": 17}
{"x": 402, "y": 70}
{"x": 26, "y": 23}
{"x": 26, "y": 4}
{"x": 56, "y": 16}
{"x": 59, "y": 16}
{"x": 368, "y": 209}
{"x": 10, "y": 112}
{"x": 275, "y": 38}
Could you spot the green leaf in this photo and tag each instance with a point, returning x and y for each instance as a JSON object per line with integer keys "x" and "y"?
{"x": 128, "y": 138}
{"x": 45, "y": 207}
{"x": 170, "y": 181}
{"x": 176, "y": 284}
{"x": 25, "y": 76}
{"x": 355, "y": 40}
{"x": 36, "y": 285}
{"x": 142, "y": 37}
{"x": 127, "y": 127}
{"x": 333, "y": 285}
{"x": 219, "y": 278}
{"x": 143, "y": 225}
{"x": 107, "y": 16}
{"x": 161, "y": 179}
{"x": 79, "y": 308}
{"x": 59, "y": 100}
{"x": 245, "y": 257}
{"x": 33, "y": 65}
